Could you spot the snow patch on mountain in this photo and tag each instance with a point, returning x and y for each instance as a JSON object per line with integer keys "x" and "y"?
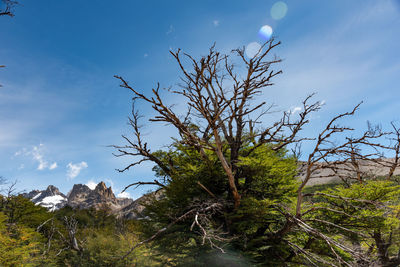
{"x": 52, "y": 202}
{"x": 35, "y": 197}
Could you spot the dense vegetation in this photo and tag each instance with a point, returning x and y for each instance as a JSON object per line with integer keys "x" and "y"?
{"x": 361, "y": 216}
{"x": 32, "y": 236}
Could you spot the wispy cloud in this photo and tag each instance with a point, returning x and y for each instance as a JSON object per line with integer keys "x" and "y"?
{"x": 53, "y": 166}
{"x": 216, "y": 23}
{"x": 75, "y": 169}
{"x": 171, "y": 29}
{"x": 37, "y": 155}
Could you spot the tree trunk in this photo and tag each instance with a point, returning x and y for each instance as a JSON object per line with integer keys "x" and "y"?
{"x": 228, "y": 170}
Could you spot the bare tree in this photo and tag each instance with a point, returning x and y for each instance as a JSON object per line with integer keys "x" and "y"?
{"x": 70, "y": 242}
{"x": 220, "y": 101}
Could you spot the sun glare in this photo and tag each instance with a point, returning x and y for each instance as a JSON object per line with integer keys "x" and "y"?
{"x": 279, "y": 10}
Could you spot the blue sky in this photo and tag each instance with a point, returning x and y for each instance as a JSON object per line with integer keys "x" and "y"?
{"x": 60, "y": 106}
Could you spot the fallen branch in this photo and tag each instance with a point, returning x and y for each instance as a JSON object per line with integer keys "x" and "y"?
{"x": 163, "y": 230}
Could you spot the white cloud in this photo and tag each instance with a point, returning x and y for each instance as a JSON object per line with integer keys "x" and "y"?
{"x": 216, "y": 23}
{"x": 37, "y": 155}
{"x": 124, "y": 195}
{"x": 145, "y": 55}
{"x": 75, "y": 169}
{"x": 53, "y": 166}
{"x": 91, "y": 184}
{"x": 295, "y": 110}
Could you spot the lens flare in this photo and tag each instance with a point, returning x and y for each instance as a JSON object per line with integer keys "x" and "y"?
{"x": 265, "y": 32}
{"x": 278, "y": 10}
{"x": 252, "y": 49}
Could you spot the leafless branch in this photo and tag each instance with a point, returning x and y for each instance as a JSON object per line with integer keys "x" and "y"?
{"x": 8, "y": 6}
{"x": 345, "y": 158}
{"x": 137, "y": 184}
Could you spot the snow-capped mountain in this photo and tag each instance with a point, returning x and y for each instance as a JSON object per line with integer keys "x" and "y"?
{"x": 50, "y": 198}
{"x": 81, "y": 196}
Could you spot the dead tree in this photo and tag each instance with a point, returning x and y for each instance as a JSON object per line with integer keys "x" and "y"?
{"x": 71, "y": 242}
{"x": 71, "y": 225}
{"x": 220, "y": 110}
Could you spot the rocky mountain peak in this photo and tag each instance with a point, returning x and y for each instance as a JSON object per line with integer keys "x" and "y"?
{"x": 78, "y": 195}
{"x": 81, "y": 196}
{"x": 104, "y": 192}
{"x": 51, "y": 190}
{"x": 78, "y": 189}
{"x": 101, "y": 186}
{"x": 50, "y": 198}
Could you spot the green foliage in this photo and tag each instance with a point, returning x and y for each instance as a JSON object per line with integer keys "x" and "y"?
{"x": 362, "y": 215}
{"x": 107, "y": 249}
{"x": 187, "y": 169}
{"x": 268, "y": 174}
{"x": 19, "y": 245}
{"x": 260, "y": 232}
{"x": 22, "y": 210}
{"x": 265, "y": 178}
{"x": 370, "y": 205}
{"x": 269, "y": 180}
{"x": 103, "y": 239}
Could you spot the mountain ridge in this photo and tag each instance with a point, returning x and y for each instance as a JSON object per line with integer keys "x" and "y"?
{"x": 81, "y": 197}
